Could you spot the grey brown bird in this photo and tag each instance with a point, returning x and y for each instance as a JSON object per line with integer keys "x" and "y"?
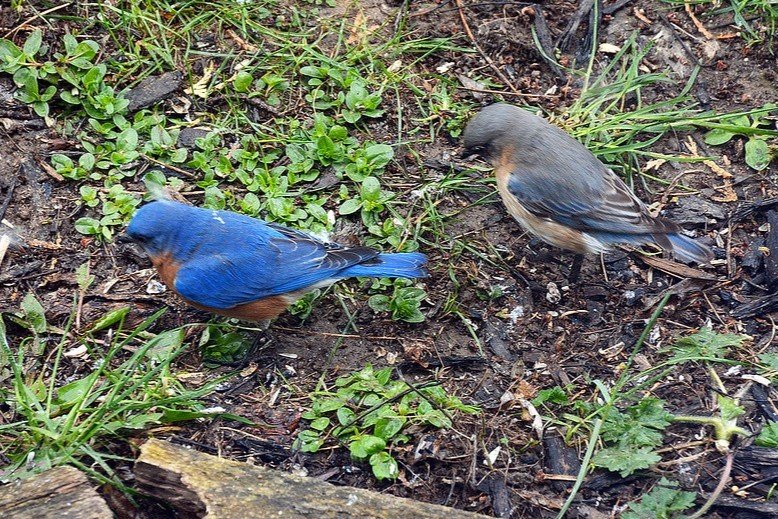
{"x": 560, "y": 192}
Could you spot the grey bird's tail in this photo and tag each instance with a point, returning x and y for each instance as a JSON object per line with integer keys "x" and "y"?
{"x": 683, "y": 248}
{"x": 387, "y": 265}
{"x": 687, "y": 249}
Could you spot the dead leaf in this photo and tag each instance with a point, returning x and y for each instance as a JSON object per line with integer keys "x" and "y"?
{"x": 640, "y": 14}
{"x": 712, "y": 165}
{"x": 729, "y": 194}
{"x": 243, "y": 44}
{"x": 200, "y": 88}
{"x": 654, "y": 164}
{"x": 608, "y": 48}
{"x": 674, "y": 268}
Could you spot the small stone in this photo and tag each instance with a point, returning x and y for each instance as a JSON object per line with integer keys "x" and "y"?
{"x": 633, "y": 297}
{"x": 155, "y": 287}
{"x": 553, "y": 295}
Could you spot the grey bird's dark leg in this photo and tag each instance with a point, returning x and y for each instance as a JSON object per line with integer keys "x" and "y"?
{"x": 575, "y": 268}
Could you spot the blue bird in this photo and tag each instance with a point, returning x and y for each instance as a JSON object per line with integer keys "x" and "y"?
{"x": 559, "y": 191}
{"x": 237, "y": 266}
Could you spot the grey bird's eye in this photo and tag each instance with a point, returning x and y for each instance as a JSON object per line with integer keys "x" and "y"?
{"x": 475, "y": 150}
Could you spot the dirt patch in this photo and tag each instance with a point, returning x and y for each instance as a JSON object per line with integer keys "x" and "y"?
{"x": 511, "y": 333}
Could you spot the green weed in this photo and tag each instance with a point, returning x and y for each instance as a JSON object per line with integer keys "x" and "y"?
{"x": 612, "y": 119}
{"x": 664, "y": 501}
{"x": 768, "y": 436}
{"x": 758, "y": 153}
{"x": 402, "y": 304}
{"x": 370, "y": 412}
{"x": 57, "y": 419}
{"x": 624, "y": 425}
{"x": 631, "y": 436}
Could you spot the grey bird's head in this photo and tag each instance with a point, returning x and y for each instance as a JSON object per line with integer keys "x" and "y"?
{"x": 498, "y": 126}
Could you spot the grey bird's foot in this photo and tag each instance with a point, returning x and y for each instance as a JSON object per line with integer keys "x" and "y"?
{"x": 575, "y": 268}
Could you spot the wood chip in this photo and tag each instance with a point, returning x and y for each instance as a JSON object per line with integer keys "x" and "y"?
{"x": 700, "y": 27}
{"x": 608, "y": 48}
{"x": 640, "y": 14}
{"x": 55, "y": 493}
{"x": 50, "y": 171}
{"x": 674, "y": 268}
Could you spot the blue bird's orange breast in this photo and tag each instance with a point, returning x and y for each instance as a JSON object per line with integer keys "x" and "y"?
{"x": 260, "y": 310}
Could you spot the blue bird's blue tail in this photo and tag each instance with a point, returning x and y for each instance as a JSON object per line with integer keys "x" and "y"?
{"x": 397, "y": 265}
{"x": 687, "y": 249}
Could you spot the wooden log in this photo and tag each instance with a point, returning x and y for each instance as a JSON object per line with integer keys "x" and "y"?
{"x": 194, "y": 482}
{"x": 56, "y": 493}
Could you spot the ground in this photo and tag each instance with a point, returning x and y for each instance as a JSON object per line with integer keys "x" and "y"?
{"x": 504, "y": 321}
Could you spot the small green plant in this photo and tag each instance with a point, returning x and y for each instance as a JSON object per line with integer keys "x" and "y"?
{"x": 759, "y": 153}
{"x": 345, "y": 91}
{"x": 445, "y": 112}
{"x": 632, "y": 436}
{"x": 371, "y": 200}
{"x": 665, "y": 501}
{"x": 117, "y": 209}
{"x": 369, "y": 412}
{"x": 392, "y": 232}
{"x": 221, "y": 346}
{"x": 768, "y": 365}
{"x": 403, "y": 303}
{"x": 768, "y": 436}
{"x": 624, "y": 425}
{"x": 73, "y": 73}
{"x": 303, "y": 307}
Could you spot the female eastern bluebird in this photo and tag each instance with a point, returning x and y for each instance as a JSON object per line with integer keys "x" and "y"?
{"x": 237, "y": 266}
{"x": 559, "y": 191}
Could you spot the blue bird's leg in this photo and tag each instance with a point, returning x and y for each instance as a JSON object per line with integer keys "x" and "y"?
{"x": 261, "y": 350}
{"x": 262, "y": 341}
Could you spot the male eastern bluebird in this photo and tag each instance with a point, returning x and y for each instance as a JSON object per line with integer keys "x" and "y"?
{"x": 556, "y": 189}
{"x": 237, "y": 266}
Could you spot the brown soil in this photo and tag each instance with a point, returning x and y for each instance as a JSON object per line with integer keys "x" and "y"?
{"x": 586, "y": 335}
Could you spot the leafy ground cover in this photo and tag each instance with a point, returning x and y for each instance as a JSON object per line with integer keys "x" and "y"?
{"x": 496, "y": 385}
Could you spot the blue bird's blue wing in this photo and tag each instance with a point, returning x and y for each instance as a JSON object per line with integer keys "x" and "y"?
{"x": 285, "y": 261}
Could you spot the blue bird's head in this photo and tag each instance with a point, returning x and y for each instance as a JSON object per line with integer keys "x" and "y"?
{"x": 157, "y": 226}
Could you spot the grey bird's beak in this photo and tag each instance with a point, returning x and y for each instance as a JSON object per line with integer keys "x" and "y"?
{"x": 470, "y": 152}
{"x": 124, "y": 238}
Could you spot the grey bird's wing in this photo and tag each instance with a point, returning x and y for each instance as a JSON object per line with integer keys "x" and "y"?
{"x": 573, "y": 188}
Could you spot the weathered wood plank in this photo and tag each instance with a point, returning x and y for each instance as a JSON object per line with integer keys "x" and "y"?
{"x": 208, "y": 486}
{"x": 54, "y": 494}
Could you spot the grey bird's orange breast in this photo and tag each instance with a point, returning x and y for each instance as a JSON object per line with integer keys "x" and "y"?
{"x": 544, "y": 228}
